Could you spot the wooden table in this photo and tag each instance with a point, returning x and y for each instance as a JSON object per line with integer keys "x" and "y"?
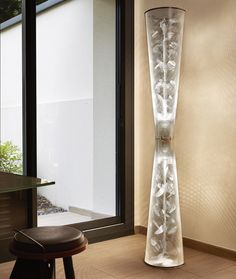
{"x": 13, "y": 182}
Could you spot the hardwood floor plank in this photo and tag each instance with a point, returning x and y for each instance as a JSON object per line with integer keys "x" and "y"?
{"x": 122, "y": 258}
{"x": 228, "y": 273}
{"x": 205, "y": 264}
{"x": 157, "y": 273}
{"x": 189, "y": 253}
{"x": 233, "y": 269}
{"x": 123, "y": 266}
{"x": 5, "y": 270}
{"x": 82, "y": 271}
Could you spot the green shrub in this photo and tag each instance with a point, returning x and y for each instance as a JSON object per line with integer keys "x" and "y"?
{"x": 12, "y": 8}
{"x": 10, "y": 158}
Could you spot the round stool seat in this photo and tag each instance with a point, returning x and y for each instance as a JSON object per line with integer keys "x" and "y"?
{"x": 48, "y": 242}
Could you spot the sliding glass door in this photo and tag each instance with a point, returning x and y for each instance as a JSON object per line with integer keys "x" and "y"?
{"x": 67, "y": 110}
{"x": 76, "y": 111}
{"x": 11, "y": 124}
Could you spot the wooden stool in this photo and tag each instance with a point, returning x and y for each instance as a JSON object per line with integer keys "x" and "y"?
{"x": 37, "y": 248}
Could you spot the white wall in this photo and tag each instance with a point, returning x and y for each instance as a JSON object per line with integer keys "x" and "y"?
{"x": 76, "y": 105}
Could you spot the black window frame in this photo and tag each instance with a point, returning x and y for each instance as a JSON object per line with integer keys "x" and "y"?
{"x": 123, "y": 223}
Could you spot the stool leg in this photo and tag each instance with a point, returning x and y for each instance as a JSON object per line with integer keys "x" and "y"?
{"x": 47, "y": 269}
{"x": 44, "y": 270}
{"x": 26, "y": 269}
{"x": 17, "y": 269}
{"x": 68, "y": 266}
{"x": 52, "y": 269}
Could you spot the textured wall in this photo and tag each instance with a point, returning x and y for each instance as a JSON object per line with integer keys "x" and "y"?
{"x": 205, "y": 133}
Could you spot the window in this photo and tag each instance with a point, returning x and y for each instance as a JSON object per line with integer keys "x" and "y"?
{"x": 76, "y": 111}
{"x": 120, "y": 112}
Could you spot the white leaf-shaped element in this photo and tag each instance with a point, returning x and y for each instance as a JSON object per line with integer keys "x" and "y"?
{"x": 155, "y": 224}
{"x": 163, "y": 25}
{"x": 172, "y": 230}
{"x": 160, "y": 192}
{"x": 160, "y": 83}
{"x": 159, "y": 65}
{"x": 160, "y": 99}
{"x": 160, "y": 230}
{"x": 165, "y": 169}
{"x": 170, "y": 186}
{"x": 173, "y": 21}
{"x": 172, "y": 193}
{"x": 153, "y": 242}
{"x": 170, "y": 177}
{"x": 172, "y": 83}
{"x": 170, "y": 35}
{"x": 173, "y": 45}
{"x": 159, "y": 87}
{"x": 158, "y": 247}
{"x": 172, "y": 53}
{"x": 172, "y": 209}
{"x": 171, "y": 65}
{"x": 154, "y": 34}
{"x": 156, "y": 47}
{"x": 165, "y": 214}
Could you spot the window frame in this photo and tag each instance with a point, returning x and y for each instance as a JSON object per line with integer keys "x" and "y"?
{"x": 123, "y": 223}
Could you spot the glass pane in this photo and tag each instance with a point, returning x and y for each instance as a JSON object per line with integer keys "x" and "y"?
{"x": 76, "y": 111}
{"x": 11, "y": 99}
{"x": 11, "y": 118}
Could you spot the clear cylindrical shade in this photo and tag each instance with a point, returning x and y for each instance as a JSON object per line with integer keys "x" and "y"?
{"x": 164, "y": 36}
{"x": 164, "y": 237}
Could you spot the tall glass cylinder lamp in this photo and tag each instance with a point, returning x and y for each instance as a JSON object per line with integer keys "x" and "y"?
{"x": 164, "y": 28}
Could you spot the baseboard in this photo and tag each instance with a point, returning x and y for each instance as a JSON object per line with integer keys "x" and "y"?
{"x": 140, "y": 230}
{"x": 198, "y": 245}
{"x": 208, "y": 248}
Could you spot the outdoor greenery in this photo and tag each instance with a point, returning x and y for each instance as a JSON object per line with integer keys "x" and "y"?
{"x": 10, "y": 158}
{"x": 11, "y": 8}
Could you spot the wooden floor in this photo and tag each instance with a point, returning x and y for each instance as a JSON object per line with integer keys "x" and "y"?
{"x": 123, "y": 258}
